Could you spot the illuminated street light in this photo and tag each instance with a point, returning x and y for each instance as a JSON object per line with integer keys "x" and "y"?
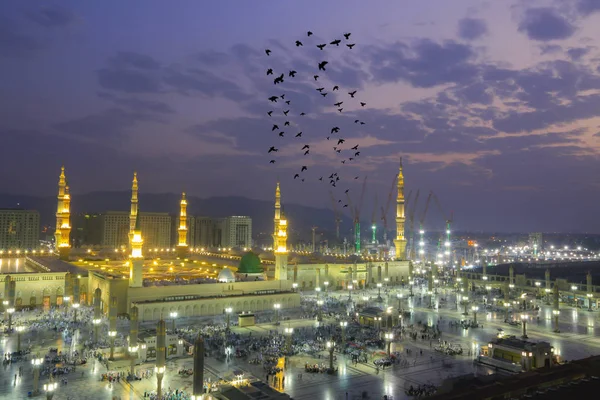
{"x": 524, "y": 318}
{"x": 320, "y": 310}
{"x": 37, "y": 363}
{"x": 112, "y": 335}
{"x": 389, "y": 337}
{"x": 343, "y": 325}
{"x": 20, "y": 329}
{"x": 379, "y": 299}
{"x": 173, "y": 315}
{"x": 277, "y": 306}
{"x": 49, "y": 388}
{"x": 75, "y": 307}
{"x": 96, "y": 322}
{"x": 228, "y": 311}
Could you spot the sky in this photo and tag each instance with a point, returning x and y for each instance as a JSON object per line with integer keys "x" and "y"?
{"x": 493, "y": 105}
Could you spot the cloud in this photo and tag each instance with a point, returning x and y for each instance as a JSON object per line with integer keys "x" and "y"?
{"x": 52, "y": 16}
{"x": 587, "y": 7}
{"x": 544, "y": 24}
{"x": 472, "y": 28}
{"x": 15, "y": 44}
{"x": 130, "y": 59}
{"x": 139, "y": 105}
{"x": 550, "y": 49}
{"x": 129, "y": 81}
{"x": 576, "y": 53}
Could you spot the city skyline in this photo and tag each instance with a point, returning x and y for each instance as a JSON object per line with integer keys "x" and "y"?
{"x": 492, "y": 106}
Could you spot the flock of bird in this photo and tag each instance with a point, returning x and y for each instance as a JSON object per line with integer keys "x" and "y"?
{"x": 287, "y": 111}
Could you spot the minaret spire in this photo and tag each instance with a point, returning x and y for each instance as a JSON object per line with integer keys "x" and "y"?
{"x": 134, "y": 207}
{"x": 182, "y": 245}
{"x": 62, "y": 234}
{"x": 280, "y": 247}
{"x": 400, "y": 241}
{"x": 277, "y": 215}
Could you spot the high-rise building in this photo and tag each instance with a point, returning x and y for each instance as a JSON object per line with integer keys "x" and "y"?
{"x": 116, "y": 229}
{"x": 204, "y": 232}
{"x": 237, "y": 232}
{"x": 87, "y": 229}
{"x": 19, "y": 229}
{"x": 536, "y": 242}
{"x": 156, "y": 228}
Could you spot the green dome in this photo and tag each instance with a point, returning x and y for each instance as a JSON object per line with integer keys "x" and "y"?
{"x": 250, "y": 264}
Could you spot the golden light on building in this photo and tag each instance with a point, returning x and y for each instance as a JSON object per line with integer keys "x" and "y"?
{"x": 63, "y": 214}
{"x": 182, "y": 246}
{"x": 134, "y": 207}
{"x": 400, "y": 241}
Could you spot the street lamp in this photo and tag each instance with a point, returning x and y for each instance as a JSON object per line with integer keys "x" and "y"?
{"x": 276, "y": 306}
{"x": 389, "y": 336}
{"x": 37, "y": 363}
{"x": 400, "y": 299}
{"x": 295, "y": 286}
{"x": 160, "y": 372}
{"x": 320, "y": 311}
{"x": 228, "y": 311}
{"x": 133, "y": 351}
{"x": 343, "y": 325}
{"x": 49, "y": 388}
{"x": 331, "y": 347}
{"x": 75, "y": 307}
{"x": 475, "y": 309}
{"x": 506, "y": 305}
{"x": 66, "y": 300}
{"x": 112, "y": 335}
{"x": 556, "y": 313}
{"x": 173, "y": 315}
{"x": 326, "y": 283}
{"x": 10, "y": 312}
{"x": 288, "y": 338}
{"x": 589, "y": 296}
{"x": 96, "y": 322}
{"x": 350, "y": 287}
{"x": 19, "y": 330}
{"x": 379, "y": 299}
{"x": 465, "y": 301}
{"x": 524, "y": 318}
{"x": 318, "y": 290}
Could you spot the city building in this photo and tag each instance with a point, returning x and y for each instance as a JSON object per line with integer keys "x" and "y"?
{"x": 87, "y": 230}
{"x": 536, "y": 242}
{"x": 205, "y": 232}
{"x": 19, "y": 229}
{"x": 237, "y": 232}
{"x": 156, "y": 228}
{"x": 516, "y": 355}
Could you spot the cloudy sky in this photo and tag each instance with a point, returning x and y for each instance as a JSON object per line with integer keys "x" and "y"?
{"x": 494, "y": 105}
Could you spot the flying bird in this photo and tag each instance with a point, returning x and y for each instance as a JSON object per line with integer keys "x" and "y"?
{"x": 335, "y": 129}
{"x": 316, "y": 77}
{"x": 351, "y": 158}
{"x": 268, "y": 52}
{"x": 347, "y": 190}
{"x": 336, "y": 42}
{"x": 322, "y": 65}
{"x": 286, "y": 123}
{"x": 281, "y": 134}
{"x": 273, "y": 149}
{"x": 304, "y": 168}
{"x": 350, "y": 46}
{"x": 279, "y": 79}
{"x": 273, "y": 99}
{"x": 299, "y": 134}
{"x": 320, "y": 89}
{"x": 338, "y": 151}
{"x": 340, "y": 109}
{"x": 340, "y": 141}
{"x": 298, "y": 43}
{"x": 321, "y": 178}
{"x": 357, "y": 154}
{"x": 302, "y": 114}
{"x": 275, "y": 127}
{"x": 345, "y": 205}
{"x": 362, "y": 123}
{"x": 363, "y": 104}
{"x": 286, "y": 112}
{"x": 282, "y": 96}
{"x": 270, "y": 71}
{"x": 352, "y": 94}
{"x": 323, "y": 94}
{"x": 343, "y": 161}
{"x": 296, "y": 176}
{"x": 356, "y": 121}
{"x": 309, "y": 33}
{"x": 336, "y": 87}
{"x": 356, "y": 177}
{"x": 338, "y": 103}
{"x": 293, "y": 73}
{"x": 355, "y": 147}
{"x": 306, "y": 146}
{"x": 321, "y": 46}
{"x": 287, "y": 102}
{"x": 272, "y": 162}
{"x": 347, "y": 35}
{"x": 306, "y": 152}
{"x": 269, "y": 113}
{"x": 327, "y": 137}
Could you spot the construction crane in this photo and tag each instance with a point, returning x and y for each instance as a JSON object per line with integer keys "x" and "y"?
{"x": 355, "y": 211}
{"x": 422, "y": 229}
{"x": 373, "y": 222}
{"x": 449, "y": 220}
{"x": 411, "y": 223}
{"x": 336, "y": 213}
{"x": 385, "y": 212}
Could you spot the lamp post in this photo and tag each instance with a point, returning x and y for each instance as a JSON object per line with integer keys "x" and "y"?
{"x": 19, "y": 330}
{"x": 96, "y": 322}
{"x": 379, "y": 299}
{"x": 66, "y": 300}
{"x": 465, "y": 301}
{"x": 326, "y": 283}
{"x": 173, "y": 315}
{"x": 331, "y": 347}
{"x": 350, "y": 287}
{"x": 37, "y": 363}
{"x": 400, "y": 299}
{"x": 524, "y": 318}
{"x": 589, "y": 296}
{"x": 133, "y": 352}
{"x": 10, "y": 312}
{"x": 49, "y": 388}
{"x": 411, "y": 282}
{"x": 112, "y": 335}
{"x": 75, "y": 307}
{"x": 288, "y": 338}
{"x": 228, "y": 311}
{"x": 318, "y": 290}
{"x": 343, "y": 325}
{"x": 295, "y": 286}
{"x": 276, "y": 306}
{"x": 389, "y": 336}
{"x": 506, "y": 305}
{"x": 320, "y": 311}
{"x": 475, "y": 309}
{"x": 5, "y": 304}
{"x": 556, "y": 313}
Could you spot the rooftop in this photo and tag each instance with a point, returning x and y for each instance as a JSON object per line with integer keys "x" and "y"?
{"x": 512, "y": 341}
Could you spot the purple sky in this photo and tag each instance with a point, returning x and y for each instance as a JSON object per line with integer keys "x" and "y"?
{"x": 494, "y": 105}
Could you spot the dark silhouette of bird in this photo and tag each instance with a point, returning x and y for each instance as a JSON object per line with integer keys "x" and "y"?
{"x": 279, "y": 79}
{"x": 302, "y": 179}
{"x": 273, "y": 149}
{"x": 309, "y": 33}
{"x": 286, "y": 112}
{"x": 281, "y": 134}
{"x": 350, "y": 46}
{"x": 286, "y": 123}
{"x": 282, "y": 96}
{"x": 338, "y": 151}
{"x": 345, "y": 205}
{"x": 320, "y": 89}
{"x": 335, "y": 148}
{"x": 292, "y": 73}
{"x": 340, "y": 141}
{"x": 270, "y": 71}
{"x": 331, "y": 176}
{"x": 343, "y": 161}
{"x": 336, "y": 87}
{"x": 316, "y": 77}
{"x": 347, "y": 35}
{"x": 356, "y": 121}
{"x": 321, "y": 178}
{"x": 338, "y": 103}
{"x": 299, "y": 134}
{"x": 287, "y": 102}
{"x": 302, "y": 114}
{"x": 306, "y": 146}
{"x": 321, "y": 46}
{"x": 355, "y": 147}
{"x": 273, "y": 99}
{"x": 269, "y": 113}
{"x": 336, "y": 42}
{"x": 327, "y": 137}
{"x": 322, "y": 65}
{"x": 340, "y": 109}
{"x": 272, "y": 162}
{"x": 362, "y": 123}
{"x": 351, "y": 158}
{"x": 335, "y": 129}
{"x": 306, "y": 152}
{"x": 357, "y": 154}
{"x": 352, "y": 94}
{"x": 296, "y": 176}
{"x": 268, "y": 52}
{"x": 356, "y": 177}
{"x": 347, "y": 190}
{"x": 274, "y": 128}
{"x": 304, "y": 168}
{"x": 323, "y": 94}
{"x": 298, "y": 43}
{"x": 363, "y": 104}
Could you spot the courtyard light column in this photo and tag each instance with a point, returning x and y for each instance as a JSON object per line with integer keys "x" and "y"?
{"x": 173, "y": 315}
{"x": 475, "y": 309}
{"x": 228, "y": 311}
{"x": 524, "y": 318}
{"x": 320, "y": 310}
{"x": 389, "y": 337}
{"x": 343, "y": 325}
{"x": 37, "y": 363}
{"x": 10, "y": 312}
{"x": 277, "y": 306}
{"x": 288, "y": 338}
{"x": 331, "y": 347}
{"x": 19, "y": 330}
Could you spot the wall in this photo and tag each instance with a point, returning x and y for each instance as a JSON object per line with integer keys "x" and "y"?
{"x": 36, "y": 285}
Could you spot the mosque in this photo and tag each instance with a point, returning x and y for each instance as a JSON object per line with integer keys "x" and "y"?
{"x": 48, "y": 281}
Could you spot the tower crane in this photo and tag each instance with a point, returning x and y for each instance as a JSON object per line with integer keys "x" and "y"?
{"x": 411, "y": 224}
{"x": 449, "y": 220}
{"x": 355, "y": 211}
{"x": 373, "y": 222}
{"x": 422, "y": 229}
{"x": 336, "y": 213}
{"x": 385, "y": 212}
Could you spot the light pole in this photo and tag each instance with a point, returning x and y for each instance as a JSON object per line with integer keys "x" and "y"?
{"x": 75, "y": 307}
{"x": 589, "y": 296}
{"x": 465, "y": 301}
{"x": 320, "y": 311}
{"x": 326, "y": 283}
{"x": 37, "y": 363}
{"x": 10, "y": 312}
{"x": 389, "y": 336}
{"x": 556, "y": 313}
{"x": 506, "y": 305}
{"x": 331, "y": 347}
{"x": 173, "y": 315}
{"x": 295, "y": 286}
{"x": 276, "y": 306}
{"x": 5, "y": 304}
{"x": 350, "y": 287}
{"x": 19, "y": 330}
{"x": 343, "y": 325}
{"x": 318, "y": 290}
{"x": 112, "y": 335}
{"x": 288, "y": 338}
{"x": 66, "y": 300}
{"x": 96, "y": 322}
{"x": 475, "y": 309}
{"x": 49, "y": 388}
{"x": 228, "y": 311}
{"x": 400, "y": 299}
{"x": 133, "y": 351}
{"x": 524, "y": 318}
{"x": 379, "y": 299}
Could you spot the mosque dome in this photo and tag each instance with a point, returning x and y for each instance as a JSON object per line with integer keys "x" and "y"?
{"x": 226, "y": 276}
{"x": 250, "y": 264}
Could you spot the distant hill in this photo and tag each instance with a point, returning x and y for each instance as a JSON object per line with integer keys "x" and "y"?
{"x": 301, "y": 218}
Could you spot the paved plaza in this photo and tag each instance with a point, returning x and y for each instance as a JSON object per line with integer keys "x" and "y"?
{"x": 422, "y": 365}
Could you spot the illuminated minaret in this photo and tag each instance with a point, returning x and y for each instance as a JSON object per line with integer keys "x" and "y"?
{"x": 277, "y": 216}
{"x": 134, "y": 207}
{"x": 63, "y": 224}
{"x": 136, "y": 258}
{"x": 400, "y": 241}
{"x": 281, "y": 252}
{"x": 182, "y": 246}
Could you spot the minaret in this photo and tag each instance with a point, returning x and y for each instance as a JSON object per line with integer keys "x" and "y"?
{"x": 134, "y": 207}
{"x": 281, "y": 252}
{"x": 136, "y": 259}
{"x": 63, "y": 226}
{"x": 277, "y": 215}
{"x": 182, "y": 246}
{"x": 400, "y": 241}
